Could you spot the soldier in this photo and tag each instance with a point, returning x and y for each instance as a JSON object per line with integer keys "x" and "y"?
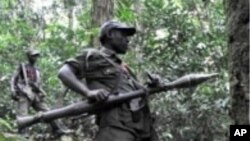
{"x": 106, "y": 74}
{"x": 26, "y": 90}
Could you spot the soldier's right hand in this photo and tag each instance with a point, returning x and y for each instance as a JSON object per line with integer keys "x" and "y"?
{"x": 98, "y": 95}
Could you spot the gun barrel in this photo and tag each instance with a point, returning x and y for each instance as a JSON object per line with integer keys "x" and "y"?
{"x": 190, "y": 80}
{"x": 87, "y": 107}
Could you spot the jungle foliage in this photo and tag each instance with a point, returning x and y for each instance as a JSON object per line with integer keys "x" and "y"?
{"x": 174, "y": 38}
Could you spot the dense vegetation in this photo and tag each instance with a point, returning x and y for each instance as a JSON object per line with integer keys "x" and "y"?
{"x": 174, "y": 38}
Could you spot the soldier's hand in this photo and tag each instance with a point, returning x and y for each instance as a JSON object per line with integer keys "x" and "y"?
{"x": 99, "y": 95}
{"x": 154, "y": 80}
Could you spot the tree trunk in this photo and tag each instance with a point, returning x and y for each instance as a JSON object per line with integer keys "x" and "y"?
{"x": 102, "y": 11}
{"x": 238, "y": 42}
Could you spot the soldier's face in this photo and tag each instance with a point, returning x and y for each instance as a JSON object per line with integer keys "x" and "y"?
{"x": 33, "y": 58}
{"x": 119, "y": 41}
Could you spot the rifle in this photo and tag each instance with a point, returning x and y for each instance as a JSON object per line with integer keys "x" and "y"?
{"x": 25, "y": 88}
{"x": 91, "y": 108}
{"x": 36, "y": 88}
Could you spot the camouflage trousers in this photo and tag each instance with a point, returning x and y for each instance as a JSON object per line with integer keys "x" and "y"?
{"x": 23, "y": 105}
{"x": 110, "y": 133}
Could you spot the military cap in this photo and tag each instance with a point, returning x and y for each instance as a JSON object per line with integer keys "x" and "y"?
{"x": 109, "y": 25}
{"x": 32, "y": 52}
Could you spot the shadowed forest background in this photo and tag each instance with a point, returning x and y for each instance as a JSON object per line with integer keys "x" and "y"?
{"x": 174, "y": 38}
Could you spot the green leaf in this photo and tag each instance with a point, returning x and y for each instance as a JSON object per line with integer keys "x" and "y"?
{"x": 5, "y": 125}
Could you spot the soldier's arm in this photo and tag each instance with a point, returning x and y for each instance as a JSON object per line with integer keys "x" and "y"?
{"x": 67, "y": 75}
{"x": 38, "y": 82}
{"x": 71, "y": 74}
{"x": 38, "y": 85}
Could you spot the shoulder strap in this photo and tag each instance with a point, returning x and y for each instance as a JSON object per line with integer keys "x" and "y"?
{"x": 134, "y": 79}
{"x": 24, "y": 73}
{"x": 131, "y": 73}
{"x": 118, "y": 79}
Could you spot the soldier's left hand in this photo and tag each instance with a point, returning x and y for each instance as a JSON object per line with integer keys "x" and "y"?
{"x": 154, "y": 80}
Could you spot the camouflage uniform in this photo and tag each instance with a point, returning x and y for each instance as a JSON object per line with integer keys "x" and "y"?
{"x": 130, "y": 121}
{"x": 35, "y": 98}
